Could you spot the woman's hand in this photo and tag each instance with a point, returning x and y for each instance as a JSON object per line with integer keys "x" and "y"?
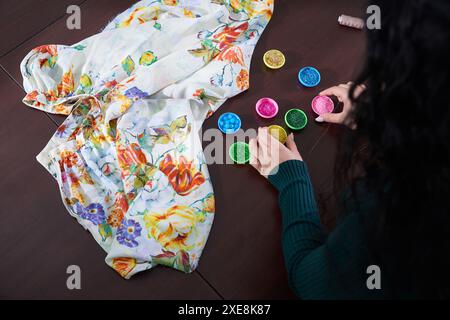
{"x": 342, "y": 93}
{"x": 267, "y": 153}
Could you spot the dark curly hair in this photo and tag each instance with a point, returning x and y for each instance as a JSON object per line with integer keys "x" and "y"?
{"x": 402, "y": 144}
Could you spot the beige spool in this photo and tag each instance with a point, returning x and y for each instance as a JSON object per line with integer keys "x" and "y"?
{"x": 351, "y": 22}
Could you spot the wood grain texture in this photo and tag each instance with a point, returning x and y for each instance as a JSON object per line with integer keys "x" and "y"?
{"x": 243, "y": 257}
{"x": 95, "y": 15}
{"x": 39, "y": 239}
{"x": 19, "y": 21}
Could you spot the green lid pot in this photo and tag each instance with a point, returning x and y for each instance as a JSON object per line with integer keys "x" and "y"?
{"x": 296, "y": 119}
{"x": 240, "y": 152}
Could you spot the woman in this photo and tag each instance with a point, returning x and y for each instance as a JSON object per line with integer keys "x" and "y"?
{"x": 395, "y": 215}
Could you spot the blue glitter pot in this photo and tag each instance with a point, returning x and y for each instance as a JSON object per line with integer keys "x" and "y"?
{"x": 309, "y": 77}
{"x": 229, "y": 123}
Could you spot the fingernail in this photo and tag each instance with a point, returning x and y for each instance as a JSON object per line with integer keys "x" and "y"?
{"x": 319, "y": 119}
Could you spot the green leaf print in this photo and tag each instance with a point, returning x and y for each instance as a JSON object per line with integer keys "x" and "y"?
{"x": 207, "y": 51}
{"x": 79, "y": 47}
{"x": 182, "y": 261}
{"x": 128, "y": 65}
{"x": 52, "y": 61}
{"x": 85, "y": 81}
{"x": 105, "y": 231}
{"x": 167, "y": 258}
{"x": 147, "y": 58}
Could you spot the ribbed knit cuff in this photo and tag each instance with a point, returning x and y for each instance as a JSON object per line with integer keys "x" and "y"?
{"x": 287, "y": 173}
{"x": 296, "y": 192}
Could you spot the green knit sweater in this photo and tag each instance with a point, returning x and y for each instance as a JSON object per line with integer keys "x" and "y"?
{"x": 320, "y": 266}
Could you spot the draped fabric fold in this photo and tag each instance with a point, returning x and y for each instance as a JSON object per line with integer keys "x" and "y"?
{"x": 128, "y": 159}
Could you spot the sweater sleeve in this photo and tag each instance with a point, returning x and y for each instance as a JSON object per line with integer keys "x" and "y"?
{"x": 302, "y": 230}
{"x": 318, "y": 266}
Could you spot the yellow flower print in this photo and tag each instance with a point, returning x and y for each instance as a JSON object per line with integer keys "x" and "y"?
{"x": 119, "y": 209}
{"x": 170, "y": 2}
{"x": 124, "y": 265}
{"x": 188, "y": 13}
{"x": 125, "y": 102}
{"x": 174, "y": 229}
{"x": 242, "y": 80}
{"x": 76, "y": 192}
{"x": 69, "y": 158}
{"x": 209, "y": 204}
{"x": 130, "y": 18}
{"x": 147, "y": 58}
{"x": 85, "y": 81}
{"x": 61, "y": 109}
{"x": 66, "y": 85}
{"x": 236, "y": 5}
{"x": 243, "y": 6}
{"x": 266, "y": 13}
{"x": 97, "y": 139}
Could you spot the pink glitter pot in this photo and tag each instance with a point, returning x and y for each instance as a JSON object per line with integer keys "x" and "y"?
{"x": 267, "y": 108}
{"x": 322, "y": 104}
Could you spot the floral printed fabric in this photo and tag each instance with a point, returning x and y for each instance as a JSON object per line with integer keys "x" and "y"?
{"x": 128, "y": 159}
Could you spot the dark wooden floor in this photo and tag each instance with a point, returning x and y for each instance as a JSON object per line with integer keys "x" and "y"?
{"x": 243, "y": 258}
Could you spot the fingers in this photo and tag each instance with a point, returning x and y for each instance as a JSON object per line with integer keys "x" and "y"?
{"x": 264, "y": 141}
{"x": 341, "y": 92}
{"x": 266, "y": 149}
{"x": 265, "y": 153}
{"x": 331, "y": 118}
{"x": 254, "y": 162}
{"x": 290, "y": 143}
{"x": 338, "y": 118}
{"x": 258, "y": 158}
{"x": 359, "y": 89}
{"x": 263, "y": 135}
{"x": 273, "y": 144}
